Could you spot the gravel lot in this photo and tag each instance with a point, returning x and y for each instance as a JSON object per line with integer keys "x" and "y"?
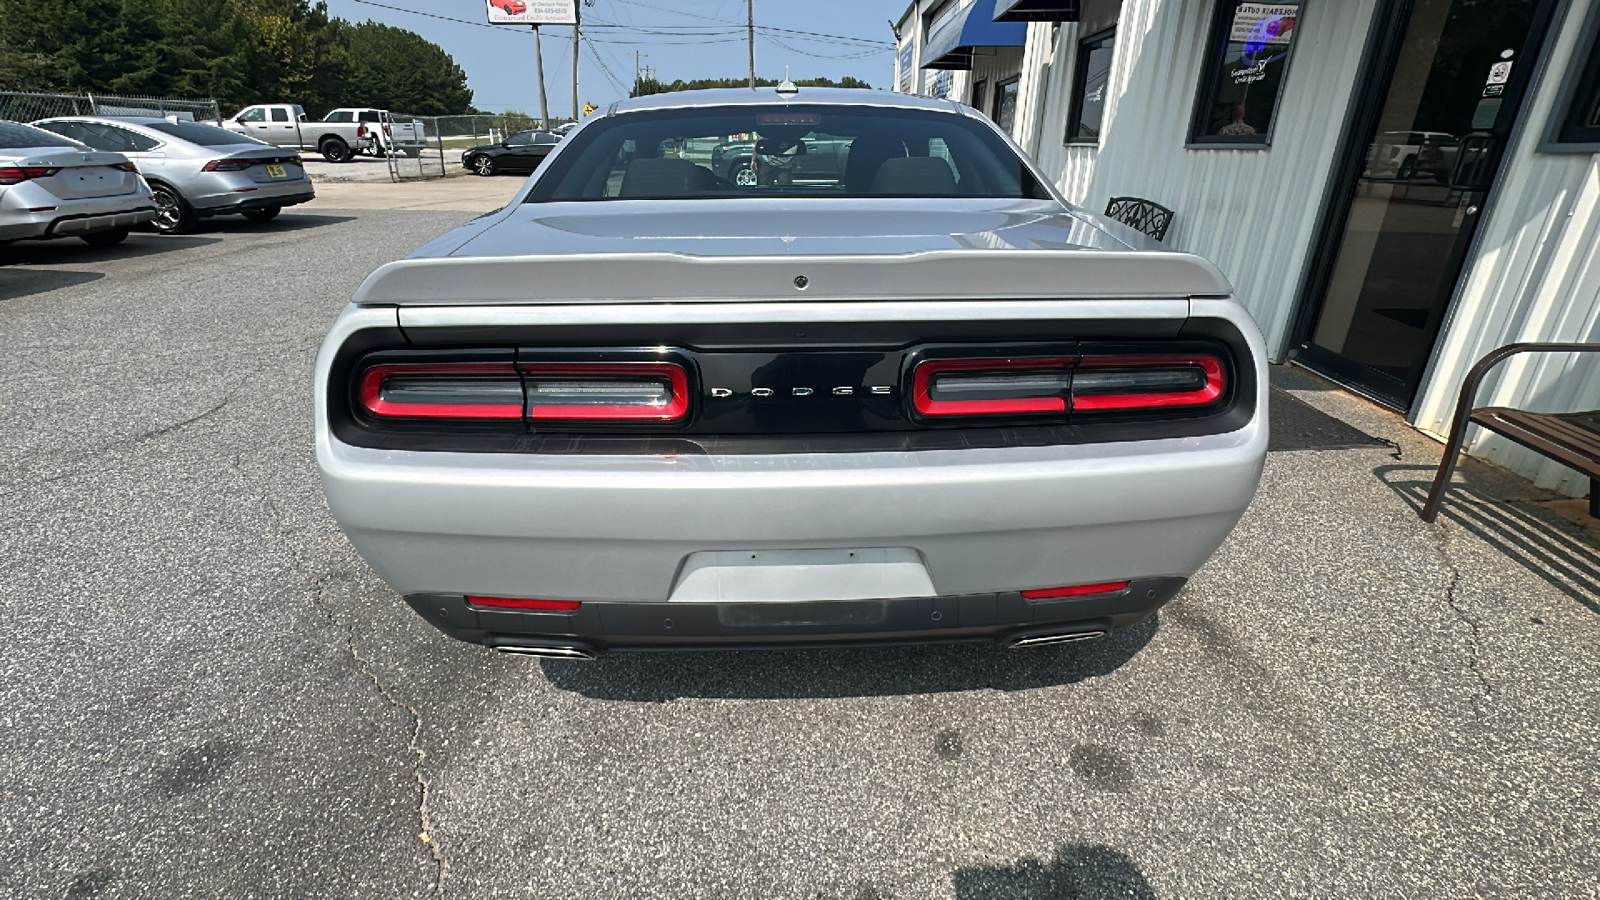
{"x": 205, "y": 693}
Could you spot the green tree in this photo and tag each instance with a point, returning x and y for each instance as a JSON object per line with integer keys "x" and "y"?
{"x": 396, "y": 69}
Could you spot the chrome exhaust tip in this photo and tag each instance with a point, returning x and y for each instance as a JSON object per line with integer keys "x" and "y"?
{"x": 545, "y": 651}
{"x": 1060, "y": 637}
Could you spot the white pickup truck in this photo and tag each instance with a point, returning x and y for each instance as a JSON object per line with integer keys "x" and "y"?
{"x": 390, "y": 135}
{"x": 285, "y": 125}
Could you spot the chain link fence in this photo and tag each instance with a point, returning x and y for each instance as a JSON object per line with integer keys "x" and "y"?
{"x": 433, "y": 146}
{"x": 21, "y": 106}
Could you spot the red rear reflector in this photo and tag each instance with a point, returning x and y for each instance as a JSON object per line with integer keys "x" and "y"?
{"x": 1146, "y": 382}
{"x": 443, "y": 391}
{"x": 518, "y": 603}
{"x": 41, "y": 209}
{"x": 975, "y": 387}
{"x": 1077, "y": 590}
{"x": 621, "y": 391}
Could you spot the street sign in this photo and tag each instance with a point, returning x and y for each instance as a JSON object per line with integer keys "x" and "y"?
{"x": 532, "y": 12}
{"x": 588, "y": 108}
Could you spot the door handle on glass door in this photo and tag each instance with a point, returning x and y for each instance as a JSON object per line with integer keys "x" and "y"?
{"x": 1475, "y": 161}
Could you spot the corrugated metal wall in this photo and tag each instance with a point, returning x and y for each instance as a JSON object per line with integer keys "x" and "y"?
{"x": 1535, "y": 277}
{"x": 1252, "y": 212}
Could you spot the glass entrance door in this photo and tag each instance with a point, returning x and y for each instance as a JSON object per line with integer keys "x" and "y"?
{"x": 1435, "y": 128}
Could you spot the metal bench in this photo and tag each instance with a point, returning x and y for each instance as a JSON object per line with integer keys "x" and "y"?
{"x": 1145, "y": 215}
{"x": 1572, "y": 439}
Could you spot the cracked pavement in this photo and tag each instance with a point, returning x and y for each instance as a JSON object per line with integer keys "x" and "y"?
{"x": 205, "y": 693}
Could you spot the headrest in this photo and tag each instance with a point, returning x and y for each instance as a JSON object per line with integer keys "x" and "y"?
{"x": 914, "y": 175}
{"x": 664, "y": 178}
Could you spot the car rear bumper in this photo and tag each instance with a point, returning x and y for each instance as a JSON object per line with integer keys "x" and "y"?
{"x": 264, "y": 197}
{"x": 1007, "y": 618}
{"x": 68, "y": 218}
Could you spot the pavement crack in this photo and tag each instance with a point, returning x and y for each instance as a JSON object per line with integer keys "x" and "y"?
{"x": 1475, "y": 635}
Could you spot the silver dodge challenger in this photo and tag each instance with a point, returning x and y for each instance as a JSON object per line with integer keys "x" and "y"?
{"x": 900, "y": 391}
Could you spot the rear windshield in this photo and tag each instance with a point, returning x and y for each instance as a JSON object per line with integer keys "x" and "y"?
{"x": 789, "y": 151}
{"x": 204, "y": 135}
{"x": 14, "y": 135}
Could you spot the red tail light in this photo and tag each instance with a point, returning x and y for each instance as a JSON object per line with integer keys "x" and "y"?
{"x": 1146, "y": 382}
{"x": 443, "y": 391}
{"x": 1076, "y": 590}
{"x": 518, "y": 603}
{"x": 126, "y": 167}
{"x": 228, "y": 165}
{"x": 1058, "y": 384}
{"x": 975, "y": 387}
{"x": 621, "y": 391}
{"x": 19, "y": 174}
{"x": 361, "y": 131}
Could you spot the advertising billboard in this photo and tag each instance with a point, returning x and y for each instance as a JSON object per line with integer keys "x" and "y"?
{"x": 532, "y": 12}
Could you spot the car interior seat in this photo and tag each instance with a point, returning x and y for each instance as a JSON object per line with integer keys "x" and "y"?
{"x": 914, "y": 176}
{"x": 866, "y": 154}
{"x": 650, "y": 177}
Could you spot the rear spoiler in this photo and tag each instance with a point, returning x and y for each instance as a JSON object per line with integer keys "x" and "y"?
{"x": 976, "y": 274}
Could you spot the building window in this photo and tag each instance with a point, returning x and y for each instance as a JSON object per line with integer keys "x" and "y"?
{"x": 980, "y": 93}
{"x": 1091, "y": 81}
{"x": 1582, "y": 123}
{"x": 1005, "y": 104}
{"x": 1244, "y": 72}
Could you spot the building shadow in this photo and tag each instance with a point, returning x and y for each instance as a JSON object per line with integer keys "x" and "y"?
{"x": 22, "y": 283}
{"x": 1086, "y": 871}
{"x": 71, "y": 251}
{"x": 845, "y": 672}
{"x": 1539, "y": 539}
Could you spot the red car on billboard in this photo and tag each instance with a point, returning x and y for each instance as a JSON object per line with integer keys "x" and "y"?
{"x": 510, "y": 7}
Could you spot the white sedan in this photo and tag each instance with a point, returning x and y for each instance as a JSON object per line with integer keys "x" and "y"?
{"x": 914, "y": 396}
{"x": 52, "y": 187}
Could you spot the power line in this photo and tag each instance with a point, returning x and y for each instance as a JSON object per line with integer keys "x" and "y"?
{"x": 861, "y": 55}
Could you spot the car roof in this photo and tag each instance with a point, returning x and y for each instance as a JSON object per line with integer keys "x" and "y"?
{"x": 118, "y": 120}
{"x": 769, "y": 95}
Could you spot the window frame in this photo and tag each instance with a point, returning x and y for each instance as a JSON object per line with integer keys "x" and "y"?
{"x": 1580, "y": 98}
{"x": 1222, "y": 14}
{"x": 980, "y": 94}
{"x": 1080, "y": 80}
{"x": 999, "y": 92}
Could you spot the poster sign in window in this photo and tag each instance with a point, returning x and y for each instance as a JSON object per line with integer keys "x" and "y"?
{"x": 1244, "y": 79}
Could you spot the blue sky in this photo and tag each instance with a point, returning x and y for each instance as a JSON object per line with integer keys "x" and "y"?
{"x": 704, "y": 39}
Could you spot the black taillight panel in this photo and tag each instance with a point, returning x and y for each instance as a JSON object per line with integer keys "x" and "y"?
{"x": 730, "y": 399}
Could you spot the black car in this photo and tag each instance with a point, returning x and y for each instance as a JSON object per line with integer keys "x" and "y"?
{"x": 521, "y": 152}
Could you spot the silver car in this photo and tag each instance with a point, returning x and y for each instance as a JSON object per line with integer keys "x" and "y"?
{"x": 197, "y": 170}
{"x": 925, "y": 399}
{"x": 55, "y": 188}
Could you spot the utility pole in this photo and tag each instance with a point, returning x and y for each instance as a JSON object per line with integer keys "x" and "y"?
{"x": 750, "y": 35}
{"x": 576, "y": 7}
{"x": 637, "y": 55}
{"x": 538, "y": 62}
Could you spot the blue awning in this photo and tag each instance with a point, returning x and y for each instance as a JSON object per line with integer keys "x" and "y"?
{"x": 1037, "y": 10}
{"x": 955, "y": 40}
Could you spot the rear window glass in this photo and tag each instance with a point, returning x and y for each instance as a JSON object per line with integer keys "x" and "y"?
{"x": 15, "y": 135}
{"x": 782, "y": 150}
{"x": 202, "y": 134}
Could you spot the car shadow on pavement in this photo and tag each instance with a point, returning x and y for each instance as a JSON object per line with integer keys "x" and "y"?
{"x": 24, "y": 282}
{"x": 70, "y": 252}
{"x": 286, "y": 222}
{"x": 1541, "y": 540}
{"x": 844, "y": 672}
{"x": 1078, "y": 870}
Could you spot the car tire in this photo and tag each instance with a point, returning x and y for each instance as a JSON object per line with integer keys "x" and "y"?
{"x": 335, "y": 151}
{"x": 483, "y": 165}
{"x": 265, "y": 214}
{"x": 174, "y": 215}
{"x": 744, "y": 176}
{"x": 105, "y": 238}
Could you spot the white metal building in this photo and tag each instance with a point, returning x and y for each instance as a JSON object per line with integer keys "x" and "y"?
{"x": 1395, "y": 187}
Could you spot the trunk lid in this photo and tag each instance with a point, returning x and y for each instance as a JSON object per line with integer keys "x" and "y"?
{"x": 82, "y": 173}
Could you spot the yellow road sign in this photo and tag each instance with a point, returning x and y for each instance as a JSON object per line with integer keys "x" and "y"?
{"x": 588, "y": 108}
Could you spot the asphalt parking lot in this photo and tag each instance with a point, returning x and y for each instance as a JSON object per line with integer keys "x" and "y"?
{"x": 205, "y": 693}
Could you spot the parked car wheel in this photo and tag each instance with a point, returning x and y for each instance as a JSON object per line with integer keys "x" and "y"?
{"x": 262, "y": 215}
{"x": 744, "y": 176}
{"x": 105, "y": 238}
{"x": 483, "y": 165}
{"x": 174, "y": 215}
{"x": 335, "y": 150}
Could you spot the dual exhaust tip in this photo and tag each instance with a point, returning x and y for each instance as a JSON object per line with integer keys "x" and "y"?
{"x": 582, "y": 651}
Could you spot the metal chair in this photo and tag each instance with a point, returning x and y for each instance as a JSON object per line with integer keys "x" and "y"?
{"x": 1147, "y": 216}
